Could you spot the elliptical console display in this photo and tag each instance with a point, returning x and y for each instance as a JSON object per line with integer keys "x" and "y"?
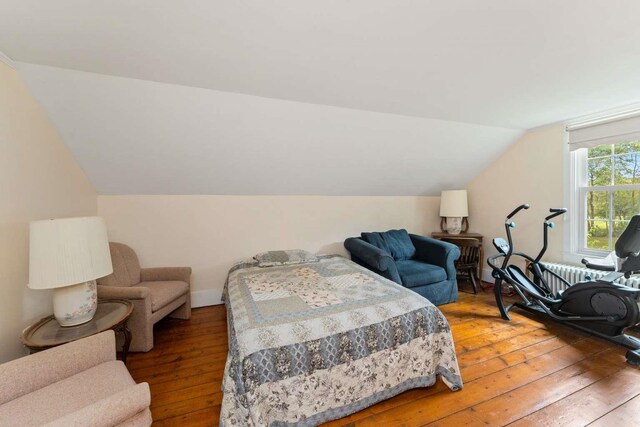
{"x": 600, "y": 307}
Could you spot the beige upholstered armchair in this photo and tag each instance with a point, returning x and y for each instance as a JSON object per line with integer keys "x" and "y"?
{"x": 77, "y": 384}
{"x": 154, "y": 292}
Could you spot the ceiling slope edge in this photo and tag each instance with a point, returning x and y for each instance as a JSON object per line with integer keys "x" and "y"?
{"x": 17, "y": 65}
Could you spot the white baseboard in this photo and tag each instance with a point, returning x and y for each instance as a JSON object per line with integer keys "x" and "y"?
{"x": 206, "y": 298}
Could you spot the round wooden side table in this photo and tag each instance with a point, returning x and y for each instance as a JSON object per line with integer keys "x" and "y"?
{"x": 110, "y": 314}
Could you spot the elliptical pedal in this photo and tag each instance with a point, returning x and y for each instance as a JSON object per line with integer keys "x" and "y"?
{"x": 633, "y": 357}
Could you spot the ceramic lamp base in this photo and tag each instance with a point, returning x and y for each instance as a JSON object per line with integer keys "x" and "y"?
{"x": 454, "y": 224}
{"x": 76, "y": 304}
{"x": 449, "y": 224}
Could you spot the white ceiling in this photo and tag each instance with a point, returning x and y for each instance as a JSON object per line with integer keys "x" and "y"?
{"x": 421, "y": 86}
{"x": 508, "y": 63}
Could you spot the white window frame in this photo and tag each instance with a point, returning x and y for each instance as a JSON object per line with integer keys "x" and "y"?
{"x": 575, "y": 234}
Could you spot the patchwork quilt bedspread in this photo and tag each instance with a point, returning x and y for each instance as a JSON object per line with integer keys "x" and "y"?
{"x": 313, "y": 342}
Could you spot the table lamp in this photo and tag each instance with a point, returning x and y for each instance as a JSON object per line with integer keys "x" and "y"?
{"x": 454, "y": 211}
{"x": 67, "y": 255}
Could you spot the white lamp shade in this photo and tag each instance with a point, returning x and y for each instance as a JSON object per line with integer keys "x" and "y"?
{"x": 68, "y": 251}
{"x": 453, "y": 203}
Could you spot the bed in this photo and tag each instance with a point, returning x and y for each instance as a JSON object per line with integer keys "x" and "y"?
{"x": 315, "y": 341}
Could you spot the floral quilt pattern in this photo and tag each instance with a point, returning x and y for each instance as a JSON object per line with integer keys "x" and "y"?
{"x": 315, "y": 342}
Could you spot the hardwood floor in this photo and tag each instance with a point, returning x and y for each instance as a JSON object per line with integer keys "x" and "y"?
{"x": 526, "y": 372}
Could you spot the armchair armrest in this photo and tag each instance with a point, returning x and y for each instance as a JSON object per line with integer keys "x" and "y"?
{"x": 30, "y": 373}
{"x": 374, "y": 257}
{"x": 165, "y": 273}
{"x": 122, "y": 292}
{"x": 110, "y": 411}
{"x": 436, "y": 252}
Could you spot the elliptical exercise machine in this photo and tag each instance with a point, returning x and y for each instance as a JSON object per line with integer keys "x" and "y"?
{"x": 599, "y": 307}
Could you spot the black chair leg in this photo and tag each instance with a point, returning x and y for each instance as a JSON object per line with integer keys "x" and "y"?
{"x": 472, "y": 276}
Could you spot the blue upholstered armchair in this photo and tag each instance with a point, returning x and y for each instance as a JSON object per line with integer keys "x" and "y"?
{"x": 424, "y": 265}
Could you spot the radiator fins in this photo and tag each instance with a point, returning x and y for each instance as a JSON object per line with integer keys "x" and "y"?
{"x": 574, "y": 274}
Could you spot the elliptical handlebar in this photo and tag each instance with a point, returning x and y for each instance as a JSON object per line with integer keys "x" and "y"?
{"x": 508, "y": 225}
{"x": 518, "y": 209}
{"x": 556, "y": 212}
{"x": 599, "y": 267}
{"x": 547, "y": 225}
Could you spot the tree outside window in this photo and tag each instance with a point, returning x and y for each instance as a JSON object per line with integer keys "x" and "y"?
{"x": 611, "y": 192}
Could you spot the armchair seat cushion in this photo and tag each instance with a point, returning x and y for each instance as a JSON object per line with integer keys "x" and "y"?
{"x": 416, "y": 273}
{"x": 66, "y": 396}
{"x": 164, "y": 292}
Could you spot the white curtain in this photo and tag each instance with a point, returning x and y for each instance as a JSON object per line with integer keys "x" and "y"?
{"x": 607, "y": 131}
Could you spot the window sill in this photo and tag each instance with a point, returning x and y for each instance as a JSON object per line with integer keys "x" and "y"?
{"x": 575, "y": 258}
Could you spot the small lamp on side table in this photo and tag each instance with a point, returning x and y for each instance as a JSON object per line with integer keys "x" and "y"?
{"x": 67, "y": 255}
{"x": 454, "y": 211}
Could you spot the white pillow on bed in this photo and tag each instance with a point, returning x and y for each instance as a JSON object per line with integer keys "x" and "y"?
{"x": 293, "y": 256}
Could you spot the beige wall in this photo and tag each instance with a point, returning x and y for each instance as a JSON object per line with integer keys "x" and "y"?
{"x": 530, "y": 171}
{"x": 38, "y": 179}
{"x": 210, "y": 233}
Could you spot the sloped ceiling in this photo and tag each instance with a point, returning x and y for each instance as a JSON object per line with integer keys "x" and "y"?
{"x": 140, "y": 137}
{"x": 390, "y": 97}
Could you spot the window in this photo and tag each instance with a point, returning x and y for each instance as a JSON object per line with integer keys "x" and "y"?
{"x": 603, "y": 181}
{"x": 608, "y": 193}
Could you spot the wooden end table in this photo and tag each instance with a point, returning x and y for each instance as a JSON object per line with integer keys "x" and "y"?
{"x": 110, "y": 314}
{"x": 452, "y": 237}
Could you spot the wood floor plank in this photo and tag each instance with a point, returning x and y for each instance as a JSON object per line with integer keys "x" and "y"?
{"x": 627, "y": 414}
{"x": 492, "y": 337}
{"x": 187, "y": 381}
{"x": 509, "y": 407}
{"x": 202, "y": 417}
{"x": 496, "y": 364}
{"x": 590, "y": 403}
{"x": 477, "y": 327}
{"x": 180, "y": 374}
{"x": 185, "y": 406}
{"x": 209, "y": 331}
{"x": 504, "y": 347}
{"x": 177, "y": 347}
{"x": 486, "y": 309}
{"x": 465, "y": 418}
{"x": 172, "y": 364}
{"x": 181, "y": 353}
{"x": 186, "y": 393}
